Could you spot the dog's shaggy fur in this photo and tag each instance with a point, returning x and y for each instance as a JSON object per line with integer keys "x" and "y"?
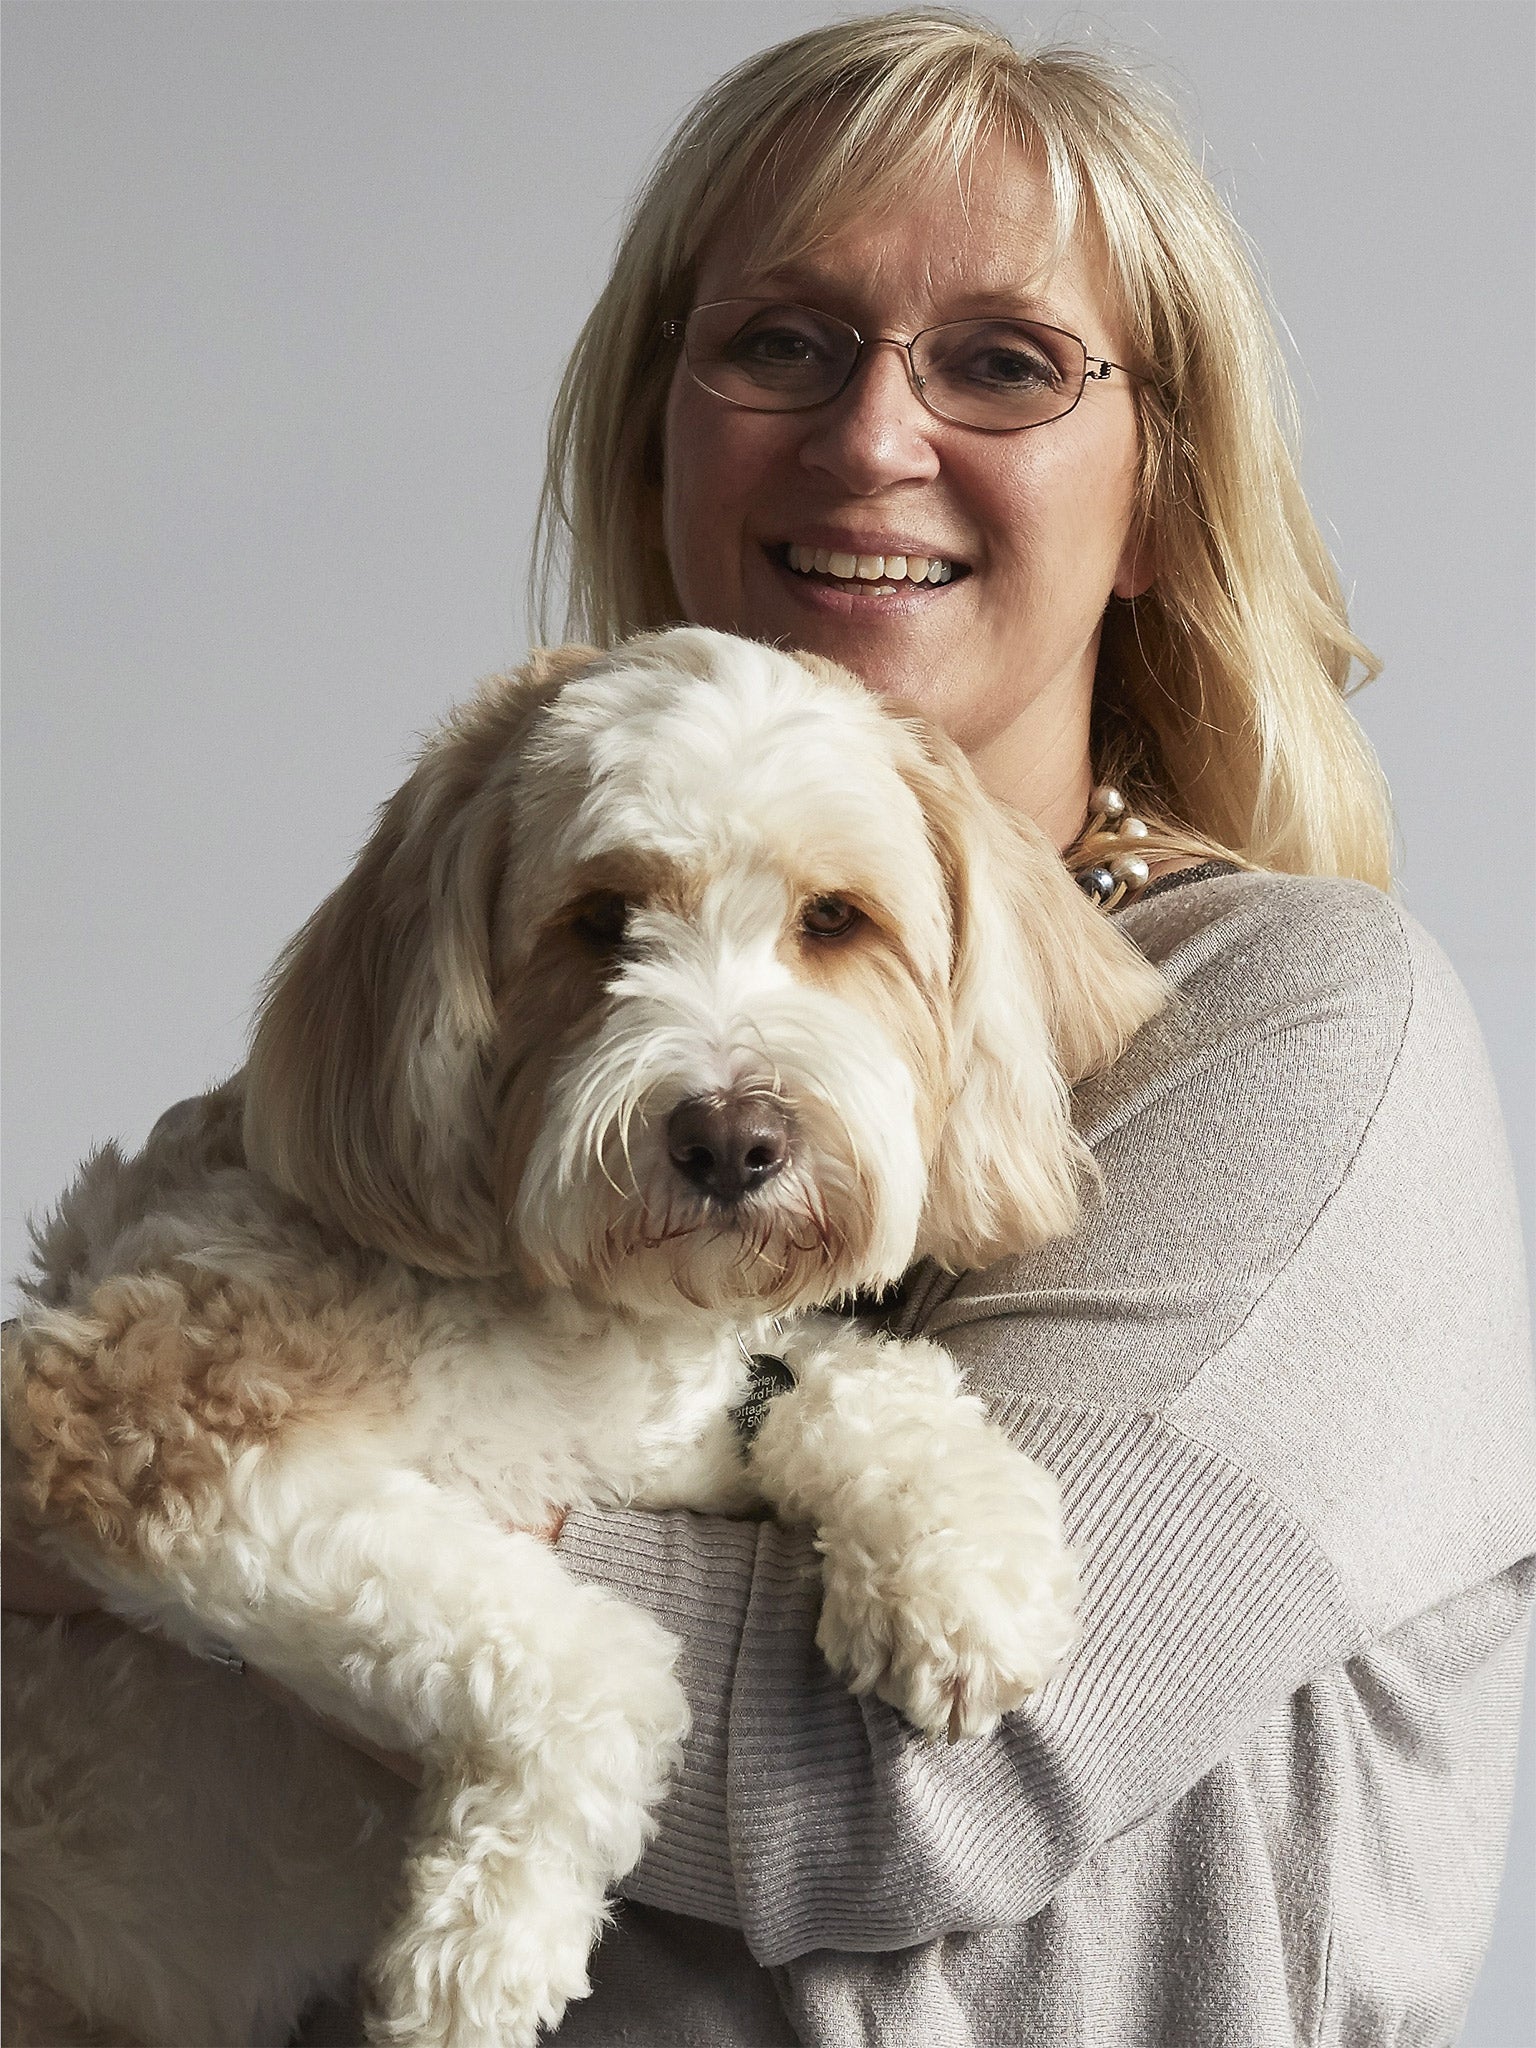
{"x": 680, "y": 989}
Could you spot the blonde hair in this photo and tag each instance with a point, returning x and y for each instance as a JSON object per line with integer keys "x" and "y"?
{"x": 1219, "y": 703}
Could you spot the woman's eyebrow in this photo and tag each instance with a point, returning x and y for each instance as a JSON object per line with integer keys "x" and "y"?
{"x": 799, "y": 284}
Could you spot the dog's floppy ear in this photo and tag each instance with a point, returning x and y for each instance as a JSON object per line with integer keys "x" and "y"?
{"x": 1043, "y": 992}
{"x": 372, "y": 1069}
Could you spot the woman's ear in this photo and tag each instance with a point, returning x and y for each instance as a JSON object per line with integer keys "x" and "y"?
{"x": 1043, "y": 991}
{"x": 370, "y": 1089}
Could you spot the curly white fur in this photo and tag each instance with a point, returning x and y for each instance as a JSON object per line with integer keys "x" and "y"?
{"x": 290, "y": 1378}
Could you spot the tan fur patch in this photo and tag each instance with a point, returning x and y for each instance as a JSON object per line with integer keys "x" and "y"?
{"x": 365, "y": 1086}
{"x": 124, "y": 1421}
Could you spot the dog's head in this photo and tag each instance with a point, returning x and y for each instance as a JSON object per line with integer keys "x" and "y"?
{"x": 689, "y": 970}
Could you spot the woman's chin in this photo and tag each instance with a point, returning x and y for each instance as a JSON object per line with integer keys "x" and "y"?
{"x": 898, "y": 645}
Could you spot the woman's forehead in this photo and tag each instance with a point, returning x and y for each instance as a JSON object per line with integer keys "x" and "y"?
{"x": 975, "y": 238}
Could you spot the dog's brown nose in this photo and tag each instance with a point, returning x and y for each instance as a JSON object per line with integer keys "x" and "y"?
{"x": 727, "y": 1148}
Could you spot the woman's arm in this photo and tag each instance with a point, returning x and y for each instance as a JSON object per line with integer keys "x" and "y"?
{"x": 1279, "y": 1375}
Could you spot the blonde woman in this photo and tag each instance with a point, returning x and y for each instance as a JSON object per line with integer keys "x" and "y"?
{"x": 944, "y": 361}
{"x": 897, "y": 290}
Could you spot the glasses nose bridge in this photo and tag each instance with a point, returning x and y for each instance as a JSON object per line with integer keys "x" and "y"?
{"x": 869, "y": 342}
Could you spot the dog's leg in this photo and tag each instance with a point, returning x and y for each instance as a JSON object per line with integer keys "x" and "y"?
{"x": 545, "y": 1714}
{"x": 948, "y": 1586}
{"x": 573, "y": 1727}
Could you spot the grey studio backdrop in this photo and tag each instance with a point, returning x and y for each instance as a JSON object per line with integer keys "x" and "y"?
{"x": 288, "y": 290}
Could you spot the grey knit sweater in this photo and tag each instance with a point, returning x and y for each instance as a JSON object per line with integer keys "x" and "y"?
{"x": 1282, "y": 1375}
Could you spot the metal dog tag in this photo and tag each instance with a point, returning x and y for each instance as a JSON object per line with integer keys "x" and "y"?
{"x": 770, "y": 1376}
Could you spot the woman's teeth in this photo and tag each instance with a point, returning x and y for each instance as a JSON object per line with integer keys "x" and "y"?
{"x": 883, "y": 571}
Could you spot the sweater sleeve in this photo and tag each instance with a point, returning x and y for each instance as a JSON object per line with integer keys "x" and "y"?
{"x": 1279, "y": 1374}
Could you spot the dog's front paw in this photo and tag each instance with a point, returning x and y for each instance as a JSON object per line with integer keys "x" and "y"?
{"x": 958, "y": 1617}
{"x": 490, "y": 1959}
{"x": 472, "y": 2002}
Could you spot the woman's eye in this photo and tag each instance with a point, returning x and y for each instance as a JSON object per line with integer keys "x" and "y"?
{"x": 775, "y": 348}
{"x": 829, "y": 917}
{"x": 602, "y": 920}
{"x": 783, "y": 339}
{"x": 994, "y": 356}
{"x": 1014, "y": 369}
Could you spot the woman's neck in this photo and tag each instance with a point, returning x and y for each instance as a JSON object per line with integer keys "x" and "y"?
{"x": 1041, "y": 765}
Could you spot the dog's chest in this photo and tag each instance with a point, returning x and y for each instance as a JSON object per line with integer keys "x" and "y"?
{"x": 560, "y": 1407}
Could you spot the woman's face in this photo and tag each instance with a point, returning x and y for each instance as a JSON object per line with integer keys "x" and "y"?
{"x": 1036, "y": 524}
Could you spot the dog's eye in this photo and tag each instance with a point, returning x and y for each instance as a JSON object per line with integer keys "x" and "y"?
{"x": 829, "y": 917}
{"x": 602, "y": 919}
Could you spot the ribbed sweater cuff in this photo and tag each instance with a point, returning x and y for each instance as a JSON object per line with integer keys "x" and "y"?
{"x": 693, "y": 1574}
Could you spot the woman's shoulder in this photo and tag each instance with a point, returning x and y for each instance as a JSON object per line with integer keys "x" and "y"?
{"x": 1214, "y": 926}
{"x": 1316, "y": 1070}
{"x": 1336, "y": 968}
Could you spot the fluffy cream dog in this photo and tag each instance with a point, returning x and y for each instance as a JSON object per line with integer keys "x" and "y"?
{"x": 679, "y": 991}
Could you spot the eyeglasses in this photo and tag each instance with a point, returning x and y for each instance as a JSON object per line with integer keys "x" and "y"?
{"x": 997, "y": 375}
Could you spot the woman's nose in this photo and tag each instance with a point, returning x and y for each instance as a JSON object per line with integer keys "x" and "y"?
{"x": 877, "y": 431}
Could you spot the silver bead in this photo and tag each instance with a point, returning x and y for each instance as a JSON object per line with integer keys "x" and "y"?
{"x": 1098, "y": 883}
{"x": 1133, "y": 828}
{"x": 1106, "y": 802}
{"x": 1130, "y": 869}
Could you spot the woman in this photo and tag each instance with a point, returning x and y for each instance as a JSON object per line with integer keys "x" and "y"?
{"x": 1276, "y": 1431}
{"x": 897, "y": 296}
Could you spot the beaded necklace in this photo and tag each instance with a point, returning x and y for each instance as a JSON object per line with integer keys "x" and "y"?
{"x": 1119, "y": 872}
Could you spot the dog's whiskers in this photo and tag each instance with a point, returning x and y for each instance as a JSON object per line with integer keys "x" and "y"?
{"x": 626, "y": 1119}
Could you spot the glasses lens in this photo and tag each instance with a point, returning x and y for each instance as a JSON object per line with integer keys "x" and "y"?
{"x": 1000, "y": 373}
{"x": 767, "y": 357}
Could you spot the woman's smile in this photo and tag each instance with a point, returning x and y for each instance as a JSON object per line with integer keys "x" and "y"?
{"x": 854, "y": 573}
